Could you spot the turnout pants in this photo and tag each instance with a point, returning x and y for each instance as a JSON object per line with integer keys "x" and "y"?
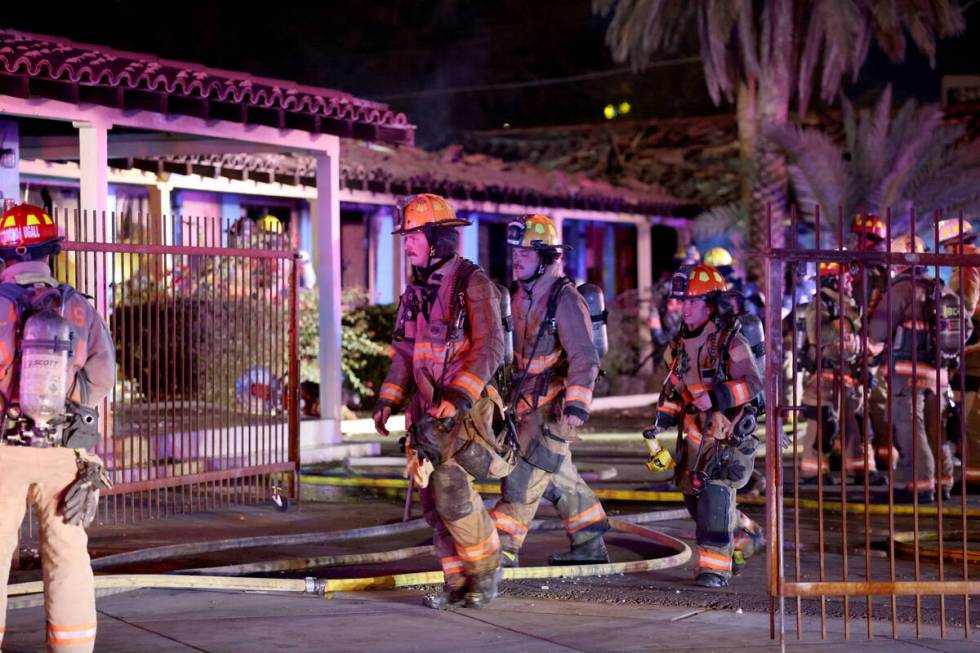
{"x": 914, "y": 414}
{"x": 546, "y": 461}
{"x": 462, "y": 532}
{"x": 39, "y": 476}
{"x": 857, "y": 453}
{"x": 971, "y": 447}
{"x": 721, "y": 529}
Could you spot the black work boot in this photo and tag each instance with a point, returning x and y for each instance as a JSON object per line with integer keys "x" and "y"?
{"x": 589, "y": 552}
{"x": 450, "y": 597}
{"x": 509, "y": 558}
{"x": 711, "y": 579}
{"x": 482, "y": 589}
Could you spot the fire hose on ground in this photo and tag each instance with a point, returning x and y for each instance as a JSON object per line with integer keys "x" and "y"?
{"x": 30, "y": 594}
{"x": 662, "y": 497}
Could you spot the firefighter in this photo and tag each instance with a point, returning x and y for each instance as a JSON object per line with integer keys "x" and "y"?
{"x": 801, "y": 288}
{"x": 955, "y": 239}
{"x": 448, "y": 344}
{"x": 57, "y": 363}
{"x": 838, "y": 372}
{"x": 665, "y": 320}
{"x": 745, "y": 294}
{"x": 871, "y": 233}
{"x": 555, "y": 368}
{"x": 870, "y": 282}
{"x": 916, "y": 403}
{"x": 711, "y": 396}
{"x": 686, "y": 255}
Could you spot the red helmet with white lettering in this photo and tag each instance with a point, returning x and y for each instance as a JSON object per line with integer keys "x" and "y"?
{"x": 28, "y": 233}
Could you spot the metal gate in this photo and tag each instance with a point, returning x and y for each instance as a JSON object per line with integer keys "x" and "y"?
{"x": 204, "y": 315}
{"x": 843, "y": 546}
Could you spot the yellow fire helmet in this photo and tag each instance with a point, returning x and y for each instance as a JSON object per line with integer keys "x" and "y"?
{"x": 950, "y": 232}
{"x": 427, "y": 210}
{"x": 908, "y": 244}
{"x": 718, "y": 257}
{"x": 271, "y": 224}
{"x": 534, "y": 231}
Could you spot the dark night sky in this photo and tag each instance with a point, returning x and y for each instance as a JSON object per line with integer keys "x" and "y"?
{"x": 393, "y": 50}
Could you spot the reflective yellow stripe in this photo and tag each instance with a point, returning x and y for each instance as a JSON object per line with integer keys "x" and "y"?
{"x": 468, "y": 383}
{"x": 691, "y": 431}
{"x": 739, "y": 391}
{"x": 670, "y": 407}
{"x": 71, "y": 635}
{"x": 482, "y": 550}
{"x": 585, "y": 518}
{"x": 428, "y": 352}
{"x": 509, "y": 525}
{"x": 539, "y": 364}
{"x": 914, "y": 324}
{"x": 920, "y": 485}
{"x": 833, "y": 376}
{"x": 859, "y": 463}
{"x": 924, "y": 372}
{"x": 578, "y": 393}
{"x": 711, "y": 560}
{"x": 809, "y": 463}
{"x": 392, "y": 392}
{"x": 453, "y": 565}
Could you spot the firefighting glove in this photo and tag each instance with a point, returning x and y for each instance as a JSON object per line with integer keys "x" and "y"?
{"x": 431, "y": 435}
{"x": 733, "y": 470}
{"x": 418, "y": 469}
{"x": 82, "y": 427}
{"x": 81, "y": 498}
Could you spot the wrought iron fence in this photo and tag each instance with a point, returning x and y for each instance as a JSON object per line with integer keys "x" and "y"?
{"x": 858, "y": 538}
{"x": 203, "y": 312}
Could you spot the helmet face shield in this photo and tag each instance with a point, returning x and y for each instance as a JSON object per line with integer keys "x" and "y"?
{"x": 678, "y": 282}
{"x": 515, "y": 234}
{"x": 535, "y": 232}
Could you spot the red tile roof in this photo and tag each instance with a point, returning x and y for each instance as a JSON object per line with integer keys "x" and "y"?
{"x": 407, "y": 170}
{"x": 32, "y": 65}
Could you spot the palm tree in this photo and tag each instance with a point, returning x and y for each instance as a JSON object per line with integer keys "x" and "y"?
{"x": 762, "y": 54}
{"x": 909, "y": 160}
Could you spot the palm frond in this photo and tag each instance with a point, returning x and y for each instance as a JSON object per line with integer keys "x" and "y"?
{"x": 903, "y": 162}
{"x": 727, "y": 220}
{"x": 913, "y": 128}
{"x": 817, "y": 171}
{"x": 736, "y": 39}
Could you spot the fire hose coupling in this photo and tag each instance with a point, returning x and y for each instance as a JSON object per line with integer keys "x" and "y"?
{"x": 316, "y": 586}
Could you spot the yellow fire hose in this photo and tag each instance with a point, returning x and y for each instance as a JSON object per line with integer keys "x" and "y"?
{"x": 298, "y": 564}
{"x": 659, "y": 497}
{"x": 682, "y": 553}
{"x": 905, "y": 544}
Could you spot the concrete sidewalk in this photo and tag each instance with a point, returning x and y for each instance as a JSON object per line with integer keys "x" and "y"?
{"x": 157, "y": 621}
